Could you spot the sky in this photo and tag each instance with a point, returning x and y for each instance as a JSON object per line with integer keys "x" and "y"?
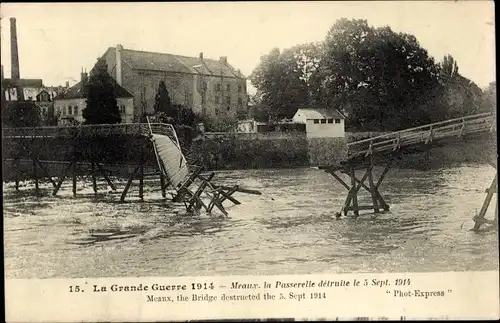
{"x": 57, "y": 40}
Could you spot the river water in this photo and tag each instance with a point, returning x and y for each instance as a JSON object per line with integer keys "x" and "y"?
{"x": 289, "y": 229}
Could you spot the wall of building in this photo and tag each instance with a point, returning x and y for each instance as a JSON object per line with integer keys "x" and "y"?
{"x": 184, "y": 89}
{"x": 216, "y": 95}
{"x": 61, "y": 108}
{"x": 325, "y": 130}
{"x": 143, "y": 85}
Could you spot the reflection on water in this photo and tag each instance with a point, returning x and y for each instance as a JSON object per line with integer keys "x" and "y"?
{"x": 291, "y": 228}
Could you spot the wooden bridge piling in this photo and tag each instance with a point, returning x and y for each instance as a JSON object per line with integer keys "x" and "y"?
{"x": 141, "y": 178}
{"x": 94, "y": 181}
{"x": 74, "y": 177}
{"x": 17, "y": 169}
{"x": 372, "y": 186}
{"x": 35, "y": 175}
{"x": 480, "y": 218}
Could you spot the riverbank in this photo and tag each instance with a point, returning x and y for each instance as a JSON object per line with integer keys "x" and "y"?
{"x": 260, "y": 151}
{"x": 268, "y": 151}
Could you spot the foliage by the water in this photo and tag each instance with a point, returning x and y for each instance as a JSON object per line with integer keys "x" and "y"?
{"x": 163, "y": 103}
{"x": 21, "y": 114}
{"x": 102, "y": 107}
{"x": 381, "y": 79}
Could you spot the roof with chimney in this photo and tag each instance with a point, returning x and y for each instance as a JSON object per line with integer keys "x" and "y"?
{"x": 142, "y": 60}
{"x": 77, "y": 91}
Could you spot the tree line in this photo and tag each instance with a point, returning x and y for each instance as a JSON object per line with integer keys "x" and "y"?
{"x": 382, "y": 80}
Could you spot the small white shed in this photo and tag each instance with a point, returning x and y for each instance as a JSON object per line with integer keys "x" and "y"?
{"x": 321, "y": 123}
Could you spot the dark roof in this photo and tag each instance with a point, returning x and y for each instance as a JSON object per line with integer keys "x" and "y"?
{"x": 142, "y": 60}
{"x": 77, "y": 91}
{"x": 23, "y": 82}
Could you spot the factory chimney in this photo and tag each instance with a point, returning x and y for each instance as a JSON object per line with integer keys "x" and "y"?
{"x": 13, "y": 50}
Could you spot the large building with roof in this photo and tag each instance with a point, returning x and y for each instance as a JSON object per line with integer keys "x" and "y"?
{"x": 68, "y": 106}
{"x": 212, "y": 88}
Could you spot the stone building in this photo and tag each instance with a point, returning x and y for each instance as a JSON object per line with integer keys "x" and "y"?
{"x": 69, "y": 105}
{"x": 212, "y": 88}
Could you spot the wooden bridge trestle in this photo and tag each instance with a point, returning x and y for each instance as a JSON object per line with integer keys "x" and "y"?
{"x": 87, "y": 146}
{"x": 361, "y": 153}
{"x": 378, "y": 203}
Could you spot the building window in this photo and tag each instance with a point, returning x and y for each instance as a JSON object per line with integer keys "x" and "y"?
{"x": 64, "y": 111}
{"x": 323, "y": 120}
{"x": 228, "y": 87}
{"x": 316, "y": 120}
{"x": 75, "y": 110}
{"x": 239, "y": 88}
{"x": 70, "y": 110}
{"x": 228, "y": 99}
{"x": 337, "y": 120}
{"x": 216, "y": 99}
{"x": 217, "y": 87}
{"x": 240, "y": 102}
{"x": 216, "y": 112}
{"x": 228, "y": 108}
{"x": 330, "y": 120}
{"x": 205, "y": 87}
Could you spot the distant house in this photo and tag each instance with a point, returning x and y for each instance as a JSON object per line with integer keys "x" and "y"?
{"x": 34, "y": 91}
{"x": 70, "y": 104}
{"x": 321, "y": 123}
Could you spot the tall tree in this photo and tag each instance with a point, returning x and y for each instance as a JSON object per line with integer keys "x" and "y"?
{"x": 489, "y": 99}
{"x": 279, "y": 79}
{"x": 461, "y": 94}
{"x": 382, "y": 79}
{"x": 102, "y": 107}
{"x": 162, "y": 101}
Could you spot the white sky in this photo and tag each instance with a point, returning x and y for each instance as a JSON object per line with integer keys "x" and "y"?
{"x": 55, "y": 40}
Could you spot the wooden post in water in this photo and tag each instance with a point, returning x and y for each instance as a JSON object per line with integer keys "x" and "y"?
{"x": 17, "y": 169}
{"x": 74, "y": 177}
{"x": 372, "y": 186}
{"x": 35, "y": 174}
{"x": 354, "y": 195}
{"x": 141, "y": 179}
{"x": 105, "y": 175}
{"x": 480, "y": 217}
{"x": 94, "y": 181}
{"x": 129, "y": 182}
{"x": 61, "y": 178}
{"x": 162, "y": 184}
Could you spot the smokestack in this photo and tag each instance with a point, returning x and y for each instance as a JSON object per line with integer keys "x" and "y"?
{"x": 13, "y": 50}
{"x": 223, "y": 59}
{"x": 119, "y": 49}
{"x": 201, "y": 55}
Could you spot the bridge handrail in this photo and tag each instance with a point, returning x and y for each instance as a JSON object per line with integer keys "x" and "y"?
{"x": 120, "y": 128}
{"x": 427, "y": 126}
